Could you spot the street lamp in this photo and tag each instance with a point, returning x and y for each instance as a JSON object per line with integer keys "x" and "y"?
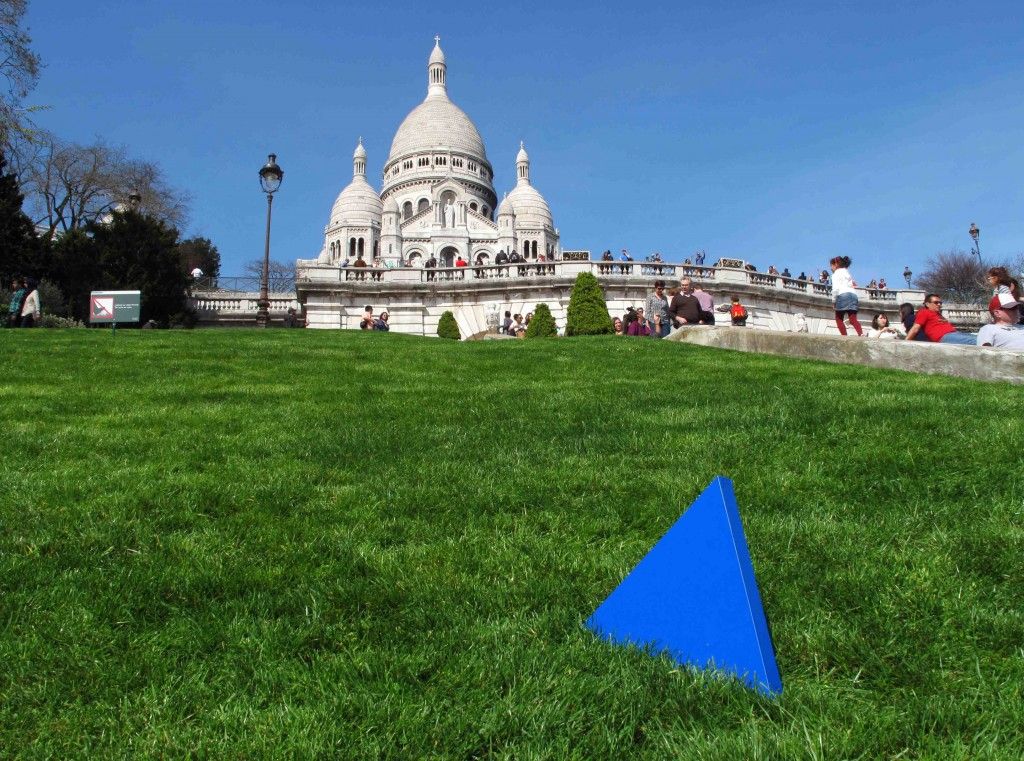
{"x": 270, "y": 180}
{"x": 907, "y": 274}
{"x": 975, "y": 232}
{"x": 134, "y": 199}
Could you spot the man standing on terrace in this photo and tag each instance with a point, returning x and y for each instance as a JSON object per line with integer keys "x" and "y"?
{"x": 937, "y": 328}
{"x": 707, "y": 305}
{"x": 684, "y": 309}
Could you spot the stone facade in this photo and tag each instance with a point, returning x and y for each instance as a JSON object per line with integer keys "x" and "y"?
{"x": 437, "y": 197}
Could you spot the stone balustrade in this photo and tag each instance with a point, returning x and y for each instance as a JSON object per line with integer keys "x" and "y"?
{"x": 333, "y": 297}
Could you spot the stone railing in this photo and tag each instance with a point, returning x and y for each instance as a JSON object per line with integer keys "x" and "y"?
{"x": 240, "y": 305}
{"x": 310, "y": 275}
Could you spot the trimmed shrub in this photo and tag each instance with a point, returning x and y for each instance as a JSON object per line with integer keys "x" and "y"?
{"x": 56, "y": 321}
{"x": 542, "y": 325}
{"x": 448, "y": 328}
{"x": 588, "y": 313}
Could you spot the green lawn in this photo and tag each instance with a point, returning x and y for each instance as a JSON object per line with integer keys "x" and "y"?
{"x": 253, "y": 544}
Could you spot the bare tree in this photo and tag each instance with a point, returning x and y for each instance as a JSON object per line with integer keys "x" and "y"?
{"x": 957, "y": 276}
{"x": 19, "y": 67}
{"x": 67, "y": 186}
{"x": 281, "y": 277}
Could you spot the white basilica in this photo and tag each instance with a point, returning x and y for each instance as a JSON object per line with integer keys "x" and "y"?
{"x": 437, "y": 196}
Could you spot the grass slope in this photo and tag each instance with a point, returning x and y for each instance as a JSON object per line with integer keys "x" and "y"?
{"x": 312, "y": 543}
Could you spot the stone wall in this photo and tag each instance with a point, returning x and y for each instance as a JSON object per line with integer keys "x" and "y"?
{"x": 913, "y": 356}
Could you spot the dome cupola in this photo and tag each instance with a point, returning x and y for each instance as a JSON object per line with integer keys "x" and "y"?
{"x": 530, "y": 208}
{"x": 358, "y": 203}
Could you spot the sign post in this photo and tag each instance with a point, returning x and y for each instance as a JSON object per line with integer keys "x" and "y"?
{"x": 114, "y": 307}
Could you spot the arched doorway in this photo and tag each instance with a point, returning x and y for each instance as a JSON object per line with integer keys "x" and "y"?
{"x": 448, "y": 254}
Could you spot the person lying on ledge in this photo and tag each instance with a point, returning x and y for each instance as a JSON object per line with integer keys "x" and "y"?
{"x": 1005, "y": 332}
{"x": 937, "y": 328}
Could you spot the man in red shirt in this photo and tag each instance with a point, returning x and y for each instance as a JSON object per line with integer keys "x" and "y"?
{"x": 937, "y": 328}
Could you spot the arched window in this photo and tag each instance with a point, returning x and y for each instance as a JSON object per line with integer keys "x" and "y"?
{"x": 423, "y": 205}
{"x": 485, "y": 211}
{"x": 447, "y": 196}
{"x": 406, "y": 209}
{"x": 376, "y": 249}
{"x": 360, "y": 248}
{"x": 351, "y": 248}
{"x": 535, "y": 249}
{"x": 473, "y": 206}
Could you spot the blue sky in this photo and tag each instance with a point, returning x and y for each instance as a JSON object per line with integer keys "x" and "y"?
{"x": 782, "y": 133}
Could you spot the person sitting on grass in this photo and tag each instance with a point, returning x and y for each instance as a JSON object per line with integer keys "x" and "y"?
{"x": 381, "y": 323}
{"x": 1005, "y": 332}
{"x": 639, "y": 326}
{"x": 936, "y": 327}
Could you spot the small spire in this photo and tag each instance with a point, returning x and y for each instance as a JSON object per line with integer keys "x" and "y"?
{"x": 359, "y": 160}
{"x": 436, "y": 70}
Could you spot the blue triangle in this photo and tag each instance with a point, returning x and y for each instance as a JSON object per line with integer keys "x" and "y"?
{"x": 694, "y": 596}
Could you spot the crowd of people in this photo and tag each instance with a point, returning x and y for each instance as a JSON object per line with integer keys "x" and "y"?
{"x": 690, "y": 304}
{"x": 663, "y": 310}
{"x": 515, "y": 325}
{"x": 25, "y": 309}
{"x": 1005, "y": 331}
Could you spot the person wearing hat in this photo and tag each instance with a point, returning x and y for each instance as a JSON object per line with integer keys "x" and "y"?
{"x": 1005, "y": 332}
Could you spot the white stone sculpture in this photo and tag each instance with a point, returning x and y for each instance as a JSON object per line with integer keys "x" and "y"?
{"x": 449, "y": 214}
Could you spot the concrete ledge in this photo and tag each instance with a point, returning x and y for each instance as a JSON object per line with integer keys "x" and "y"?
{"x": 913, "y": 356}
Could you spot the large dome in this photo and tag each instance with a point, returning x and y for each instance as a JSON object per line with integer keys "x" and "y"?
{"x": 437, "y": 124}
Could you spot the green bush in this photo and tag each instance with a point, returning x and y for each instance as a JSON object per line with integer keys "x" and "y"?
{"x": 56, "y": 321}
{"x": 542, "y": 325}
{"x": 447, "y": 327}
{"x": 587, "y": 314}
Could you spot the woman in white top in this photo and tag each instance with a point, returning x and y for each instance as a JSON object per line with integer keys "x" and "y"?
{"x": 880, "y": 328}
{"x": 31, "y": 311}
{"x": 844, "y": 295}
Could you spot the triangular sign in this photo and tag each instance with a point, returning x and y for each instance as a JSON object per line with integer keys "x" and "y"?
{"x": 694, "y": 596}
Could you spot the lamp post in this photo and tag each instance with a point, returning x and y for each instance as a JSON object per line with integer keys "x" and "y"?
{"x": 134, "y": 200}
{"x": 975, "y": 232}
{"x": 270, "y": 180}
{"x": 907, "y": 274}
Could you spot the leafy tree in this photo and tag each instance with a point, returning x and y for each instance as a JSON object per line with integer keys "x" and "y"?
{"x": 447, "y": 327}
{"x": 137, "y": 252}
{"x": 129, "y": 252}
{"x": 587, "y": 314}
{"x": 19, "y": 248}
{"x": 19, "y": 67}
{"x": 199, "y": 252}
{"x": 542, "y": 325}
{"x": 75, "y": 266}
{"x": 957, "y": 276}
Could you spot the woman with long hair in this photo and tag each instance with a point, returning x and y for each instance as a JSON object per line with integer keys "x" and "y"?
{"x": 31, "y": 309}
{"x": 844, "y": 295}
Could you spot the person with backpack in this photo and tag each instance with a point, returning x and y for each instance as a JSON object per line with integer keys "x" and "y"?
{"x": 738, "y": 313}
